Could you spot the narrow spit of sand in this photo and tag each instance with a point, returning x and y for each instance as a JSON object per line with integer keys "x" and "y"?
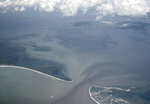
{"x": 47, "y": 75}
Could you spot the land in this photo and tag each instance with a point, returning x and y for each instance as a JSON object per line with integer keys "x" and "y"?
{"x": 13, "y": 54}
{"x": 93, "y": 56}
{"x": 118, "y": 95}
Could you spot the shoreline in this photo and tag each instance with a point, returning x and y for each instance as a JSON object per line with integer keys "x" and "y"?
{"x": 92, "y": 97}
{"x": 47, "y": 75}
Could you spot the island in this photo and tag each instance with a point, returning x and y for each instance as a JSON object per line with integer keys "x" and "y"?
{"x": 13, "y": 54}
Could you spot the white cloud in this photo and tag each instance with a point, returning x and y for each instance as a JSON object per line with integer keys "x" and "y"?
{"x": 124, "y": 25}
{"x": 19, "y": 9}
{"x": 71, "y": 7}
{"x": 22, "y": 9}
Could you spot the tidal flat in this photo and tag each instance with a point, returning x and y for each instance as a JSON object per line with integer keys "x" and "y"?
{"x": 86, "y": 55}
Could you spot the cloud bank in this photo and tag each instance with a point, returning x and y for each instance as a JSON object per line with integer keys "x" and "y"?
{"x": 71, "y": 7}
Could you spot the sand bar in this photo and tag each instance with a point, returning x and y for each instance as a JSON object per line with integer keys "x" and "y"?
{"x": 47, "y": 75}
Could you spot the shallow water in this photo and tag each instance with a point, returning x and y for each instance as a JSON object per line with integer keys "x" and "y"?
{"x": 95, "y": 55}
{"x": 30, "y": 85}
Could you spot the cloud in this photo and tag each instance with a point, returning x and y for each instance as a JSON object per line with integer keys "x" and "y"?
{"x": 133, "y": 8}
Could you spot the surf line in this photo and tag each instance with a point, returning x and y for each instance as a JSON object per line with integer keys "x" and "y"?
{"x": 47, "y": 75}
{"x": 92, "y": 97}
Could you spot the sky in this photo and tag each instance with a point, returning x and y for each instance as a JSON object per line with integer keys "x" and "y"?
{"x": 133, "y": 8}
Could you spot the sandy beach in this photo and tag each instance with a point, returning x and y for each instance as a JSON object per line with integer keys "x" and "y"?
{"x": 47, "y": 75}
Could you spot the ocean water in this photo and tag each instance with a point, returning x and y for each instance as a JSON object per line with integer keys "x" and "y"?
{"x": 20, "y": 85}
{"x": 96, "y": 54}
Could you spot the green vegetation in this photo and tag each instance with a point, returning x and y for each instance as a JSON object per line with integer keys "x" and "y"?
{"x": 12, "y": 54}
{"x": 105, "y": 95}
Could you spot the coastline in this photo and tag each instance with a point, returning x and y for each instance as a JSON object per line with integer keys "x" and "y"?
{"x": 47, "y": 75}
{"x": 92, "y": 97}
